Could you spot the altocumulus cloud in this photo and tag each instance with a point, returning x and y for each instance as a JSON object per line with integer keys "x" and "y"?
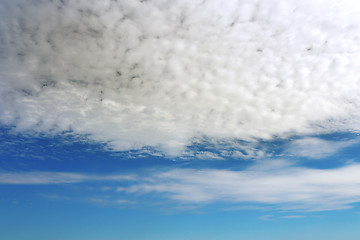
{"x": 160, "y": 73}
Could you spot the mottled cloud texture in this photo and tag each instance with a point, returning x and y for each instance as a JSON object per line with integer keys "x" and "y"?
{"x": 160, "y": 73}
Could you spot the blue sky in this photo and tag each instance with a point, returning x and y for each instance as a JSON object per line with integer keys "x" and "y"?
{"x": 179, "y": 120}
{"x": 44, "y": 201}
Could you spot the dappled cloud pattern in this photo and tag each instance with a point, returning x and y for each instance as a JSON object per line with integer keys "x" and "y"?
{"x": 161, "y": 73}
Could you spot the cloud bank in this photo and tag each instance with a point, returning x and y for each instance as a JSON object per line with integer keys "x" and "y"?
{"x": 160, "y": 73}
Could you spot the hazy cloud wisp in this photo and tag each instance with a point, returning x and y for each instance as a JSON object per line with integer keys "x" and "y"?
{"x": 288, "y": 188}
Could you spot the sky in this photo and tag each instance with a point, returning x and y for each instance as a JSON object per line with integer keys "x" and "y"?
{"x": 179, "y": 119}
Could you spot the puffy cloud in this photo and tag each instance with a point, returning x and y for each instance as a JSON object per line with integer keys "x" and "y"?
{"x": 159, "y": 73}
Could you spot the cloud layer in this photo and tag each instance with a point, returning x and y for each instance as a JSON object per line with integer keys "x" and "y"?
{"x": 160, "y": 73}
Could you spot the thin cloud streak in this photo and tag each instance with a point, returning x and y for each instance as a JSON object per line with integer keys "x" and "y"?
{"x": 291, "y": 188}
{"x": 34, "y": 178}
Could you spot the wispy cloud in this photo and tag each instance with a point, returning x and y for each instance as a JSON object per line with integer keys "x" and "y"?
{"x": 317, "y": 148}
{"x": 291, "y": 188}
{"x": 283, "y": 187}
{"x": 208, "y": 156}
{"x": 110, "y": 201}
{"x": 56, "y": 178}
{"x": 266, "y": 217}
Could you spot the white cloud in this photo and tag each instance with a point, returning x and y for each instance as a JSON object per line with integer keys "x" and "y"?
{"x": 275, "y": 186}
{"x": 208, "y": 155}
{"x": 55, "y": 177}
{"x": 289, "y": 188}
{"x": 317, "y": 148}
{"x": 159, "y": 73}
{"x": 107, "y": 200}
